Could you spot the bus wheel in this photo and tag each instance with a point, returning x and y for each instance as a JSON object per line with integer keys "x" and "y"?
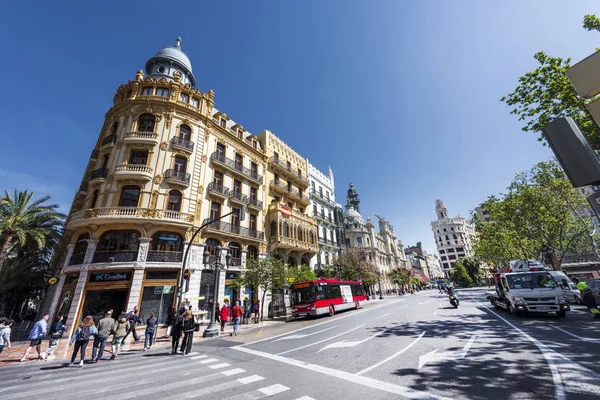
{"x": 331, "y": 310}
{"x": 357, "y": 304}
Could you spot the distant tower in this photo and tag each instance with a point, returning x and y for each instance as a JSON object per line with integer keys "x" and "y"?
{"x": 353, "y": 197}
{"x": 441, "y": 210}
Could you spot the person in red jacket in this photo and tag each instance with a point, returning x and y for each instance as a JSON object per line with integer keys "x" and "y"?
{"x": 236, "y": 314}
{"x": 224, "y": 315}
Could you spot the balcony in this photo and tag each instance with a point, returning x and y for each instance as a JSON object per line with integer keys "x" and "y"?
{"x": 255, "y": 203}
{"x": 133, "y": 171}
{"x": 164, "y": 256}
{"x": 99, "y": 175}
{"x": 141, "y": 138}
{"x": 83, "y": 188}
{"x": 282, "y": 166}
{"x": 327, "y": 242}
{"x": 129, "y": 214}
{"x": 236, "y": 168}
{"x": 284, "y": 242}
{"x": 319, "y": 197}
{"x": 178, "y": 178}
{"x": 233, "y": 230}
{"x": 182, "y": 144}
{"x": 115, "y": 256}
{"x": 237, "y": 197}
{"x": 218, "y": 190}
{"x": 109, "y": 141}
{"x": 294, "y": 194}
{"x": 235, "y": 262}
{"x": 321, "y": 217}
{"x": 94, "y": 155}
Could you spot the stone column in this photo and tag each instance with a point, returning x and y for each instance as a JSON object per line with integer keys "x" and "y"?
{"x": 194, "y": 263}
{"x": 136, "y": 286}
{"x": 244, "y": 258}
{"x": 70, "y": 248}
{"x": 77, "y": 301}
{"x": 89, "y": 253}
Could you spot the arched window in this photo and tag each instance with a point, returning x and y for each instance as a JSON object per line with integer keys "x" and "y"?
{"x": 300, "y": 234}
{"x": 286, "y": 229}
{"x": 273, "y": 228}
{"x": 165, "y": 247}
{"x": 120, "y": 246}
{"x": 130, "y": 195}
{"x": 236, "y": 254}
{"x": 79, "y": 250}
{"x": 114, "y": 129}
{"x": 148, "y": 91}
{"x": 174, "y": 201}
{"x": 368, "y": 241}
{"x": 252, "y": 252}
{"x": 185, "y": 132}
{"x": 94, "y": 198}
{"x": 146, "y": 123}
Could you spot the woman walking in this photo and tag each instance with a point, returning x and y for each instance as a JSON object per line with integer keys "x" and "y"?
{"x": 81, "y": 338}
{"x": 119, "y": 332}
{"x": 189, "y": 325}
{"x": 150, "y": 327}
{"x": 224, "y": 315}
{"x": 176, "y": 331}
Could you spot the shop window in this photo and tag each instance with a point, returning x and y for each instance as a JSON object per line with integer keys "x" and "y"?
{"x": 146, "y": 123}
{"x": 174, "y": 201}
{"x": 161, "y": 275}
{"x": 166, "y": 241}
{"x": 130, "y": 196}
{"x": 157, "y": 299}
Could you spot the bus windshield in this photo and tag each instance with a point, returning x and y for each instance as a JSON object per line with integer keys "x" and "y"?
{"x": 530, "y": 281}
{"x": 303, "y": 295}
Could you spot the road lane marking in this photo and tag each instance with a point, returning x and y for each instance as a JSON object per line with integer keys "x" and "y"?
{"x": 345, "y": 343}
{"x": 337, "y": 318}
{"x": 583, "y": 339}
{"x": 208, "y": 361}
{"x": 219, "y": 366}
{"x": 320, "y": 341}
{"x": 347, "y": 376}
{"x": 424, "y": 302}
{"x": 548, "y": 353}
{"x": 273, "y": 389}
{"x": 233, "y": 371}
{"x": 435, "y": 313}
{"x": 384, "y": 315}
{"x": 198, "y": 357}
{"x": 392, "y": 356}
{"x": 305, "y": 398}
{"x": 434, "y": 356}
{"x": 304, "y": 335}
{"x": 250, "y": 379}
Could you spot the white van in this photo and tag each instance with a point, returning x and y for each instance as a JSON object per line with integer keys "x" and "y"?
{"x": 569, "y": 288}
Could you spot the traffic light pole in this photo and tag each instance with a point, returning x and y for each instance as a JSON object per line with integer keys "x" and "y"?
{"x": 185, "y": 256}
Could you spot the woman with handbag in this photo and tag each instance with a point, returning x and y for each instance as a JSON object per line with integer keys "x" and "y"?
{"x": 189, "y": 326}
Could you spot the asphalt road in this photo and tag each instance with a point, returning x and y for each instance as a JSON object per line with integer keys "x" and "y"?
{"x": 402, "y": 347}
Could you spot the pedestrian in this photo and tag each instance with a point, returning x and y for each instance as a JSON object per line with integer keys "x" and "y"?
{"x": 105, "y": 327}
{"x": 176, "y": 330}
{"x": 256, "y": 311}
{"x": 224, "y": 316}
{"x": 587, "y": 297}
{"x": 236, "y": 314}
{"x": 169, "y": 321}
{"x": 36, "y": 335}
{"x": 187, "y": 305}
{"x": 56, "y": 333}
{"x": 81, "y": 338}
{"x": 5, "y": 330}
{"x": 119, "y": 331}
{"x": 151, "y": 324}
{"x": 189, "y": 326}
{"x": 218, "y": 316}
{"x": 247, "y": 310}
{"x": 133, "y": 320}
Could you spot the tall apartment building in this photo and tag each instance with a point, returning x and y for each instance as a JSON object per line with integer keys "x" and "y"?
{"x": 453, "y": 236}
{"x": 322, "y": 196}
{"x": 292, "y": 232}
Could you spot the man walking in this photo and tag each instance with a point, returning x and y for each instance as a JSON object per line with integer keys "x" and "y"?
{"x": 134, "y": 319}
{"x": 105, "y": 327}
{"x": 36, "y": 335}
{"x": 236, "y": 314}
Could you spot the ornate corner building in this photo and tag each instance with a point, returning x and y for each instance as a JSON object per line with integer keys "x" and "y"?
{"x": 165, "y": 162}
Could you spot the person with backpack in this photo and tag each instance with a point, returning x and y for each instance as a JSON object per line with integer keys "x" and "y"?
{"x": 176, "y": 331}
{"x": 5, "y": 330}
{"x": 151, "y": 325}
{"x": 133, "y": 319}
{"x": 105, "y": 327}
{"x": 119, "y": 331}
{"x": 81, "y": 338}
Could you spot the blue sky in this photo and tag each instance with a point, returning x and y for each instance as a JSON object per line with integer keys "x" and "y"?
{"x": 399, "y": 97}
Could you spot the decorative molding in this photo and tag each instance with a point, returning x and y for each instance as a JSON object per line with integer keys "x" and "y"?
{"x": 168, "y": 120}
{"x": 204, "y": 158}
{"x": 164, "y": 146}
{"x": 157, "y": 181}
{"x": 154, "y": 199}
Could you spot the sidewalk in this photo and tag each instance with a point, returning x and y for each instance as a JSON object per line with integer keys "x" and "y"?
{"x": 13, "y": 355}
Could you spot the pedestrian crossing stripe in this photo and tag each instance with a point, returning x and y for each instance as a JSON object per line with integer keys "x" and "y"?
{"x": 250, "y": 379}
{"x": 208, "y": 361}
{"x": 219, "y": 366}
{"x": 233, "y": 372}
{"x": 273, "y": 390}
{"x": 198, "y": 357}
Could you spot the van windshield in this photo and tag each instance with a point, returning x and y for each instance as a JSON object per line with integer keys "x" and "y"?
{"x": 531, "y": 281}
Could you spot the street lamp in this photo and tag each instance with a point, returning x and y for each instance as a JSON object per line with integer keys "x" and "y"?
{"x": 216, "y": 265}
{"x": 380, "y": 291}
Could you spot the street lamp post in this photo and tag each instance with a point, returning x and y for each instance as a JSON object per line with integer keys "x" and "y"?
{"x": 380, "y": 291}
{"x": 212, "y": 329}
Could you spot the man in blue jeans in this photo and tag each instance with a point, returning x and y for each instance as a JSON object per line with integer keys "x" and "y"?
{"x": 105, "y": 326}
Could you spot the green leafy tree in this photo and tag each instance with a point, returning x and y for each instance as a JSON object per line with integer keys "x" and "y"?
{"x": 356, "y": 265}
{"x": 26, "y": 222}
{"x": 301, "y": 273}
{"x": 266, "y": 274}
{"x": 546, "y": 93}
{"x": 472, "y": 266}
{"x": 461, "y": 276}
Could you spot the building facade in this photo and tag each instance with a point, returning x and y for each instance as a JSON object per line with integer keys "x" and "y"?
{"x": 322, "y": 197}
{"x": 453, "y": 236}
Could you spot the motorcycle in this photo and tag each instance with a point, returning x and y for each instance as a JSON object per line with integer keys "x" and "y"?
{"x": 454, "y": 301}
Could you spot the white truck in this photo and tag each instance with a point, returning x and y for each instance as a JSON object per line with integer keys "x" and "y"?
{"x": 527, "y": 287}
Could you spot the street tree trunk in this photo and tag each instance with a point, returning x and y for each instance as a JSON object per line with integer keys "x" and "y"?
{"x": 4, "y": 251}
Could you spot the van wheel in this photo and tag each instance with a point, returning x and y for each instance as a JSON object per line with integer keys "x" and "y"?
{"x": 331, "y": 310}
{"x": 561, "y": 313}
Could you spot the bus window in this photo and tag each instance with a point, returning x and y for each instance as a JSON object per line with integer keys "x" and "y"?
{"x": 357, "y": 290}
{"x": 333, "y": 292}
{"x": 303, "y": 295}
{"x": 321, "y": 293}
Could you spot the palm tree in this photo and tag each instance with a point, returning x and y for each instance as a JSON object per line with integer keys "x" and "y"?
{"x": 25, "y": 222}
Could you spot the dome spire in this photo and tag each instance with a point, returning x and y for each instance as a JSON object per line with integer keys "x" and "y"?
{"x": 178, "y": 42}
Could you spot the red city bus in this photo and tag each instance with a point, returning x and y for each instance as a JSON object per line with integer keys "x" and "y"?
{"x": 325, "y": 296}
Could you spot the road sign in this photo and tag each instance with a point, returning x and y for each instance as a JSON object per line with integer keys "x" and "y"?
{"x": 186, "y": 274}
{"x": 291, "y": 280}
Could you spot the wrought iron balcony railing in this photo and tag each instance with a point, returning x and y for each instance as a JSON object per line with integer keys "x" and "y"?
{"x": 177, "y": 175}
{"x": 219, "y": 189}
{"x": 238, "y": 196}
{"x": 226, "y": 227}
{"x": 164, "y": 256}
{"x": 99, "y": 173}
{"x": 115, "y": 256}
{"x": 109, "y": 139}
{"x": 255, "y": 203}
{"x": 183, "y": 143}
{"x": 232, "y": 165}
{"x": 288, "y": 168}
